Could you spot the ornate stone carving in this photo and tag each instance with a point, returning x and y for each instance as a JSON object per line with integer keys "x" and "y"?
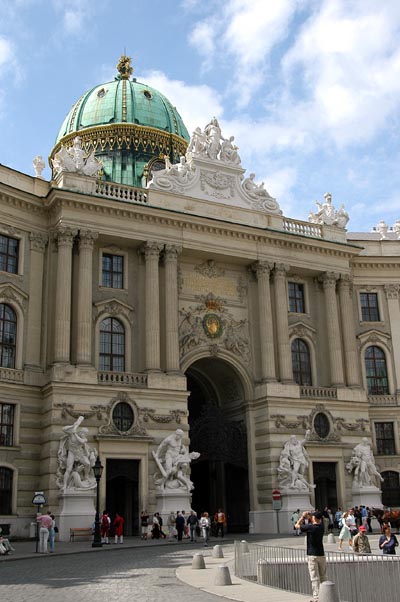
{"x": 137, "y": 428}
{"x": 12, "y": 294}
{"x": 171, "y": 252}
{"x": 392, "y": 291}
{"x": 151, "y": 248}
{"x": 261, "y": 267}
{"x": 293, "y": 462}
{"x": 258, "y": 196}
{"x": 221, "y": 185}
{"x": 209, "y": 269}
{"x": 38, "y": 241}
{"x": 362, "y": 464}
{"x": 75, "y": 459}
{"x": 212, "y": 145}
{"x": 67, "y": 409}
{"x": 150, "y": 414}
{"x": 75, "y": 160}
{"x": 302, "y": 331}
{"x": 301, "y": 421}
{"x": 38, "y": 166}
{"x": 358, "y": 425}
{"x": 87, "y": 238}
{"x": 114, "y": 308}
{"x": 173, "y": 462}
{"x": 328, "y": 279}
{"x": 328, "y": 215}
{"x": 64, "y": 235}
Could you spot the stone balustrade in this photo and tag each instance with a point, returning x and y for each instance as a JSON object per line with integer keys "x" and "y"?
{"x": 303, "y": 228}
{"x": 11, "y": 375}
{"x": 383, "y": 400}
{"x": 318, "y": 392}
{"x": 122, "y": 378}
{"x": 121, "y": 193}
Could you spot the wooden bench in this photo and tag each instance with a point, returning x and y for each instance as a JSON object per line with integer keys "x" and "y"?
{"x": 80, "y": 532}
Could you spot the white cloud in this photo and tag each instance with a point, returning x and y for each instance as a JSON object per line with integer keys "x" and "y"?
{"x": 74, "y": 15}
{"x": 6, "y": 52}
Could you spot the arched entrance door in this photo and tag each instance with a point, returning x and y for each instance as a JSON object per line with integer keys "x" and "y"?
{"x": 218, "y": 432}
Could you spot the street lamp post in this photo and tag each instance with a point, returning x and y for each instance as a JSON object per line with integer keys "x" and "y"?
{"x": 97, "y": 470}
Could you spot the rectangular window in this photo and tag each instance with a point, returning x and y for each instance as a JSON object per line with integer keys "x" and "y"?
{"x": 369, "y": 307}
{"x": 113, "y": 271}
{"x": 296, "y": 297}
{"x": 9, "y": 248}
{"x": 384, "y": 433}
{"x": 6, "y": 424}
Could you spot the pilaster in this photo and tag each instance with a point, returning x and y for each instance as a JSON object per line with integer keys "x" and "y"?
{"x": 328, "y": 280}
{"x": 64, "y": 237}
{"x": 84, "y": 309}
{"x": 349, "y": 332}
{"x": 282, "y": 325}
{"x": 151, "y": 252}
{"x": 262, "y": 270}
{"x": 171, "y": 253}
{"x": 38, "y": 242}
{"x": 392, "y": 296}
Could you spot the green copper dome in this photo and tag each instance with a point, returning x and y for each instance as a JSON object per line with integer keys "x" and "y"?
{"x": 129, "y": 125}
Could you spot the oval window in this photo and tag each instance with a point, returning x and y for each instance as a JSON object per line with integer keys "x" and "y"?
{"x": 321, "y": 425}
{"x": 147, "y": 94}
{"x": 123, "y": 416}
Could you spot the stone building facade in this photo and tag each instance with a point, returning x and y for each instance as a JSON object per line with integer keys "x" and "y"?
{"x": 191, "y": 303}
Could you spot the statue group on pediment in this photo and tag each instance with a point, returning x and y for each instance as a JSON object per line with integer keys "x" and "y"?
{"x": 211, "y": 144}
{"x": 182, "y": 171}
{"x": 328, "y": 215}
{"x": 75, "y": 160}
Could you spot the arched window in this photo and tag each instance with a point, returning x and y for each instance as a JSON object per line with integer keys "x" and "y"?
{"x": 6, "y": 482}
{"x": 112, "y": 346}
{"x": 301, "y": 362}
{"x": 8, "y": 336}
{"x": 390, "y": 488}
{"x": 376, "y": 372}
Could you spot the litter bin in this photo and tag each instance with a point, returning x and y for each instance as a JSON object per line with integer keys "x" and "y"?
{"x": 32, "y": 531}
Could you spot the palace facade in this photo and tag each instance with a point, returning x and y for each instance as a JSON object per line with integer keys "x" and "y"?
{"x": 164, "y": 296}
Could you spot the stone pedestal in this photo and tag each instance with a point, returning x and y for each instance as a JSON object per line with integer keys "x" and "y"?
{"x": 292, "y": 499}
{"x": 171, "y": 501}
{"x": 366, "y": 496}
{"x": 77, "y": 510}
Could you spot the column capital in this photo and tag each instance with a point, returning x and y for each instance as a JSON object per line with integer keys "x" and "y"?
{"x": 172, "y": 251}
{"x": 87, "y": 238}
{"x": 261, "y": 267}
{"x": 392, "y": 291}
{"x": 328, "y": 279}
{"x": 65, "y": 235}
{"x": 151, "y": 248}
{"x": 281, "y": 270}
{"x": 346, "y": 283}
{"x": 38, "y": 241}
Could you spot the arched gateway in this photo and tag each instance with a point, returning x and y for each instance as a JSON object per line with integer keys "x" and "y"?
{"x": 218, "y": 431}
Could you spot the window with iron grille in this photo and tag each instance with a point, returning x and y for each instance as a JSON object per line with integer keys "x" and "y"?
{"x": 7, "y": 412}
{"x": 9, "y": 250}
{"x": 6, "y": 482}
{"x": 112, "y": 346}
{"x": 113, "y": 271}
{"x": 8, "y": 336}
{"x": 376, "y": 372}
{"x": 369, "y": 307}
{"x": 384, "y": 434}
{"x": 123, "y": 416}
{"x": 296, "y": 297}
{"x": 301, "y": 363}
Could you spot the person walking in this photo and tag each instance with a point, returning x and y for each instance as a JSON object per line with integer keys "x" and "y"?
{"x": 155, "y": 531}
{"x": 388, "y": 541}
{"x": 180, "y": 525}
{"x": 118, "y": 524}
{"x": 160, "y": 525}
{"x": 192, "y": 522}
{"x": 314, "y": 531}
{"x": 344, "y": 532}
{"x": 52, "y": 534}
{"x": 144, "y": 523}
{"x": 45, "y": 523}
{"x": 221, "y": 522}
{"x": 205, "y": 527}
{"x": 361, "y": 541}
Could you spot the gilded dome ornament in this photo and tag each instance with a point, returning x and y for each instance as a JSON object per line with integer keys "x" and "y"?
{"x": 124, "y": 67}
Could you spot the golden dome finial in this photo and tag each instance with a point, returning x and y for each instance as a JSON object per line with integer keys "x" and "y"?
{"x": 124, "y": 67}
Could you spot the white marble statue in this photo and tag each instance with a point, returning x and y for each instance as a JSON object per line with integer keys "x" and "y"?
{"x": 38, "y": 166}
{"x": 75, "y": 459}
{"x": 182, "y": 170}
{"x": 229, "y": 151}
{"x": 198, "y": 143}
{"x": 293, "y": 463}
{"x": 213, "y": 135}
{"x": 328, "y": 215}
{"x": 254, "y": 190}
{"x": 363, "y": 464}
{"x": 173, "y": 461}
{"x": 74, "y": 160}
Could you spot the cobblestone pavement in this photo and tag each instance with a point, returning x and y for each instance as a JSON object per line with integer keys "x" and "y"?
{"x": 145, "y": 574}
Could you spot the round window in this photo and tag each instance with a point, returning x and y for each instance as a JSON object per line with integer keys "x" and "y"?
{"x": 123, "y": 416}
{"x": 147, "y": 94}
{"x": 321, "y": 425}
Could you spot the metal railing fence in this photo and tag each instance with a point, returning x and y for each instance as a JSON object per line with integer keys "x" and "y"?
{"x": 358, "y": 577}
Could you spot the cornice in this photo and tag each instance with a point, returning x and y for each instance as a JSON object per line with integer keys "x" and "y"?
{"x": 377, "y": 265}
{"x": 23, "y": 201}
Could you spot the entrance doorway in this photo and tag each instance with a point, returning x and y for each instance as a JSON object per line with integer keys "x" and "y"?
{"x": 218, "y": 432}
{"x": 122, "y": 492}
{"x": 325, "y": 481}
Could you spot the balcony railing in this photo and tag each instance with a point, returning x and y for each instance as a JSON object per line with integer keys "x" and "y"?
{"x": 383, "y": 400}
{"x": 304, "y": 228}
{"x": 121, "y": 193}
{"x": 318, "y": 392}
{"x": 122, "y": 378}
{"x": 11, "y": 375}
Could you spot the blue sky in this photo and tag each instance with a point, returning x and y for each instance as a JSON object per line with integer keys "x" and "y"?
{"x": 309, "y": 88}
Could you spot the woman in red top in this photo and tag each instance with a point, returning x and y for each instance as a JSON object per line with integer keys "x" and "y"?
{"x": 105, "y": 527}
{"x": 118, "y": 525}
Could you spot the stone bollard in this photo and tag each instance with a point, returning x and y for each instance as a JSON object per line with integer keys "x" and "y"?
{"x": 328, "y": 592}
{"x": 223, "y": 576}
{"x": 198, "y": 561}
{"x": 262, "y": 572}
{"x": 331, "y": 538}
{"x": 244, "y": 547}
{"x": 217, "y": 552}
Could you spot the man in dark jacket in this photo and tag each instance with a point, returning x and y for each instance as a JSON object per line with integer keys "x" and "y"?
{"x": 192, "y": 523}
{"x": 180, "y": 525}
{"x": 315, "y": 548}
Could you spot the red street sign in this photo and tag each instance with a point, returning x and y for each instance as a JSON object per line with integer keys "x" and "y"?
{"x": 276, "y": 495}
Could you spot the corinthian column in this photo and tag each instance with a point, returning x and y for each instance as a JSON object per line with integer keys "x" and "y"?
{"x": 349, "y": 331}
{"x": 33, "y": 343}
{"x": 282, "y": 327}
{"x": 332, "y": 329}
{"x": 152, "y": 324}
{"x": 171, "y": 307}
{"x": 84, "y": 310}
{"x": 262, "y": 270}
{"x": 392, "y": 296}
{"x": 62, "y": 332}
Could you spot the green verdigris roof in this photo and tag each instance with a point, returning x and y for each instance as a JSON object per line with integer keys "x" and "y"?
{"x": 123, "y": 101}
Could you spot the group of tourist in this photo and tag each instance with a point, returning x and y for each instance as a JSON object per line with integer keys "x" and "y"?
{"x": 116, "y": 526}
{"x": 47, "y": 532}
{"x": 182, "y": 526}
